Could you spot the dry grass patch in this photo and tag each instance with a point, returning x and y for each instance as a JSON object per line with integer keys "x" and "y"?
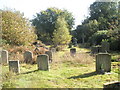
{"x": 81, "y": 58}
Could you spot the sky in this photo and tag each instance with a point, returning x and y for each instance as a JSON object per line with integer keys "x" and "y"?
{"x": 79, "y": 8}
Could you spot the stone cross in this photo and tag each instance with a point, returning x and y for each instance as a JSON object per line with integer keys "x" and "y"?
{"x": 4, "y": 55}
{"x": 28, "y": 55}
{"x": 43, "y": 62}
{"x": 14, "y": 66}
{"x": 103, "y": 62}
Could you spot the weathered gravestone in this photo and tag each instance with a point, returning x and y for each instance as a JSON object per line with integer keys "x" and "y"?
{"x": 105, "y": 47}
{"x": 112, "y": 85}
{"x": 96, "y": 49}
{"x": 4, "y": 55}
{"x": 73, "y": 51}
{"x": 28, "y": 55}
{"x": 49, "y": 53}
{"x": 53, "y": 50}
{"x": 43, "y": 62}
{"x": 14, "y": 66}
{"x": 103, "y": 62}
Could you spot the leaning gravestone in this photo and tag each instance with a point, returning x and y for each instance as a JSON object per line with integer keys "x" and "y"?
{"x": 4, "y": 55}
{"x": 28, "y": 55}
{"x": 14, "y": 66}
{"x": 105, "y": 47}
{"x": 49, "y": 53}
{"x": 103, "y": 62}
{"x": 43, "y": 62}
{"x": 73, "y": 51}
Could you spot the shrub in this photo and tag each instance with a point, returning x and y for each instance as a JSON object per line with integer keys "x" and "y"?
{"x": 16, "y": 29}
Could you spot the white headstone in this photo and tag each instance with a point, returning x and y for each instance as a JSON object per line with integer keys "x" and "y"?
{"x": 4, "y": 55}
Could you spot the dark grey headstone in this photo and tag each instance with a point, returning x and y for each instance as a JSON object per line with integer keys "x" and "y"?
{"x": 73, "y": 51}
{"x": 103, "y": 62}
{"x": 94, "y": 50}
{"x": 14, "y": 66}
{"x": 43, "y": 62}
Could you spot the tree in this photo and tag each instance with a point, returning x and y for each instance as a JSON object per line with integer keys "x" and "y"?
{"x": 61, "y": 35}
{"x": 97, "y": 37}
{"x": 83, "y": 32}
{"x": 16, "y": 29}
{"x": 105, "y": 13}
{"x": 44, "y": 22}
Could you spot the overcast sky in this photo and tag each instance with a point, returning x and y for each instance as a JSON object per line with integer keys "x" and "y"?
{"x": 79, "y": 8}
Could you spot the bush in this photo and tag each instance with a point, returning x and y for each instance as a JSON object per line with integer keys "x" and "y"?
{"x": 16, "y": 29}
{"x": 98, "y": 37}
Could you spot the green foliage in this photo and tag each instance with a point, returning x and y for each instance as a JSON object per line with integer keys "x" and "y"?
{"x": 44, "y": 22}
{"x": 98, "y": 37}
{"x": 114, "y": 38}
{"x": 83, "y": 32}
{"x": 61, "y": 35}
{"x": 105, "y": 13}
{"x": 16, "y": 29}
{"x": 103, "y": 16}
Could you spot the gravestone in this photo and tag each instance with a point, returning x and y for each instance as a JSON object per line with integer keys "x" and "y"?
{"x": 112, "y": 85}
{"x": 49, "y": 53}
{"x": 105, "y": 47}
{"x": 53, "y": 50}
{"x": 73, "y": 51}
{"x": 99, "y": 49}
{"x": 28, "y": 55}
{"x": 43, "y": 62}
{"x": 14, "y": 66}
{"x": 4, "y": 55}
{"x": 96, "y": 49}
{"x": 103, "y": 62}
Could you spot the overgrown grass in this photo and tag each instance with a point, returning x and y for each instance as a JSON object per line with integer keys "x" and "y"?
{"x": 61, "y": 75}
{"x": 65, "y": 72}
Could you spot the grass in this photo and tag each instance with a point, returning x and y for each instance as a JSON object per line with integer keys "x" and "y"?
{"x": 65, "y": 72}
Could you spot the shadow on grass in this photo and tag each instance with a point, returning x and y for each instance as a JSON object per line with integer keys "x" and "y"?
{"x": 30, "y": 72}
{"x": 83, "y": 75}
